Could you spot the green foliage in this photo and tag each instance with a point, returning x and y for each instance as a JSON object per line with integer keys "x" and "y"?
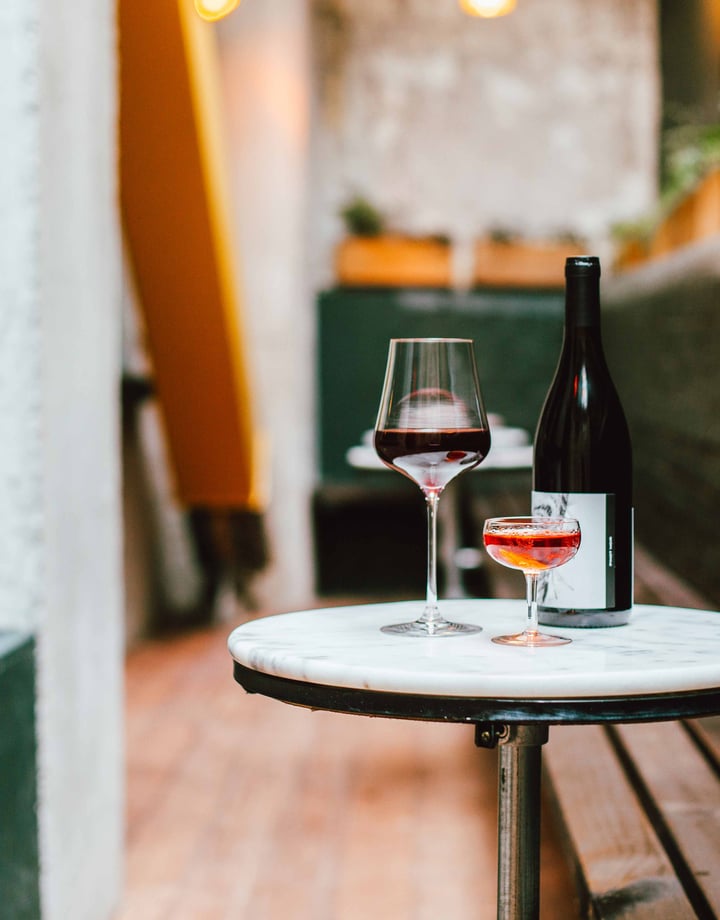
{"x": 568, "y": 238}
{"x": 504, "y": 236}
{"x": 362, "y": 218}
{"x": 640, "y": 229}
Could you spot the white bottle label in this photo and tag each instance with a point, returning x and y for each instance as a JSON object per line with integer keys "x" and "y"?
{"x": 587, "y": 582}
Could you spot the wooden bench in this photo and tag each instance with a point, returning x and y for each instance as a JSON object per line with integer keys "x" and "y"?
{"x": 639, "y": 808}
{"x": 638, "y": 805}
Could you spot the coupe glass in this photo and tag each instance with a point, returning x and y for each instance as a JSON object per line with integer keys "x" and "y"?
{"x": 431, "y": 427}
{"x": 532, "y": 545}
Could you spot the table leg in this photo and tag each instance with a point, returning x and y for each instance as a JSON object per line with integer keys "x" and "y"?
{"x": 519, "y": 821}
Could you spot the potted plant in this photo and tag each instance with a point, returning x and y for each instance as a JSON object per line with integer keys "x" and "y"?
{"x": 370, "y": 256}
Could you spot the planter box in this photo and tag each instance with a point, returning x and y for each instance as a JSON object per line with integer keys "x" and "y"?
{"x": 536, "y": 265}
{"x": 707, "y": 206}
{"x": 630, "y": 254}
{"x": 695, "y": 218}
{"x": 393, "y": 261}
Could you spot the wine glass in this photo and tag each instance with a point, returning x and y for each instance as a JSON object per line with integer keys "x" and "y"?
{"x": 532, "y": 545}
{"x": 431, "y": 426}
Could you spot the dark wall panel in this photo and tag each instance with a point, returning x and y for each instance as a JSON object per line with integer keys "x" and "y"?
{"x": 19, "y": 864}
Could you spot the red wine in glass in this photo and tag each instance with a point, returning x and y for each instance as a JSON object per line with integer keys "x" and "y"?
{"x": 432, "y": 457}
{"x": 532, "y": 545}
{"x": 532, "y": 552}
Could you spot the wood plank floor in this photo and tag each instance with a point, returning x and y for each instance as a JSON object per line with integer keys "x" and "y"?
{"x": 242, "y": 807}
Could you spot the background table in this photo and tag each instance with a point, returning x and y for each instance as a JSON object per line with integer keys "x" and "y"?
{"x": 664, "y": 665}
{"x": 510, "y": 450}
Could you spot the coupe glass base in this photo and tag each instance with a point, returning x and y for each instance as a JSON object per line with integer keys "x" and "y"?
{"x": 423, "y": 629}
{"x": 531, "y": 640}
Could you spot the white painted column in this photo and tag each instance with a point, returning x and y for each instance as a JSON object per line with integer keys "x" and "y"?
{"x": 20, "y": 438}
{"x": 81, "y": 637}
{"x": 60, "y": 574}
{"x": 266, "y": 83}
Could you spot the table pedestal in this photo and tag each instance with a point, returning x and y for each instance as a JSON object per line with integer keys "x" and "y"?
{"x": 519, "y": 777}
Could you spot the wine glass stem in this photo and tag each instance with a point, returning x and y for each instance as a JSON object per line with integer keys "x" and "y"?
{"x": 531, "y": 583}
{"x": 431, "y": 614}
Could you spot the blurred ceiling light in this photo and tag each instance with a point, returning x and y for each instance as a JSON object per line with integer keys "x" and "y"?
{"x": 487, "y": 8}
{"x": 212, "y": 10}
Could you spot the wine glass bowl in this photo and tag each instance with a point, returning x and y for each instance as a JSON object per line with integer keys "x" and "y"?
{"x": 431, "y": 426}
{"x": 532, "y": 545}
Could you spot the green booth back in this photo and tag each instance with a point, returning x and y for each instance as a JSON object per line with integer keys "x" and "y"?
{"x": 517, "y": 334}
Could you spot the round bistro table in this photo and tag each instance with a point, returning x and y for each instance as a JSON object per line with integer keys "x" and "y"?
{"x": 665, "y": 664}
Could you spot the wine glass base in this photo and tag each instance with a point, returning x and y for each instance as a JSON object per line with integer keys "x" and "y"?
{"x": 423, "y": 629}
{"x": 531, "y": 640}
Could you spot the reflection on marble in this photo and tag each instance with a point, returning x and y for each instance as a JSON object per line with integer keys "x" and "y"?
{"x": 662, "y": 650}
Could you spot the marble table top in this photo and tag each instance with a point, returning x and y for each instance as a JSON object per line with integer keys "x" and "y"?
{"x": 662, "y": 650}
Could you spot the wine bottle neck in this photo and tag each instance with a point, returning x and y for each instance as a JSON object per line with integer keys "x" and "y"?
{"x": 582, "y": 302}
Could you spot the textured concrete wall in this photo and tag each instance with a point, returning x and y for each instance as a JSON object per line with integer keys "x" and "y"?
{"x": 542, "y": 121}
{"x": 20, "y": 504}
{"x": 60, "y": 573}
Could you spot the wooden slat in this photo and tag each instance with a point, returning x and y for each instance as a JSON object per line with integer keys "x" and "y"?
{"x": 707, "y": 731}
{"x": 655, "y": 584}
{"x": 684, "y": 791}
{"x": 619, "y": 860}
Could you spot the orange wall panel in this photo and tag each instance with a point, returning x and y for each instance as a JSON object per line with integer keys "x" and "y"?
{"x": 173, "y": 199}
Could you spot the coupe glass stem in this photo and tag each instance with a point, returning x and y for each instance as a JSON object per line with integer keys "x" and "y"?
{"x": 431, "y": 614}
{"x": 531, "y": 583}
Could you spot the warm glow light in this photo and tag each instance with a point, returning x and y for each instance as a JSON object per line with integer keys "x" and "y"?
{"x": 487, "y": 8}
{"x": 212, "y": 10}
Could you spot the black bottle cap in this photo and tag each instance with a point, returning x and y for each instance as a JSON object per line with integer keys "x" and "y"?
{"x": 582, "y": 265}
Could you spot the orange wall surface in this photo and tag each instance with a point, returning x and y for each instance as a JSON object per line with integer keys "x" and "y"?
{"x": 173, "y": 195}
